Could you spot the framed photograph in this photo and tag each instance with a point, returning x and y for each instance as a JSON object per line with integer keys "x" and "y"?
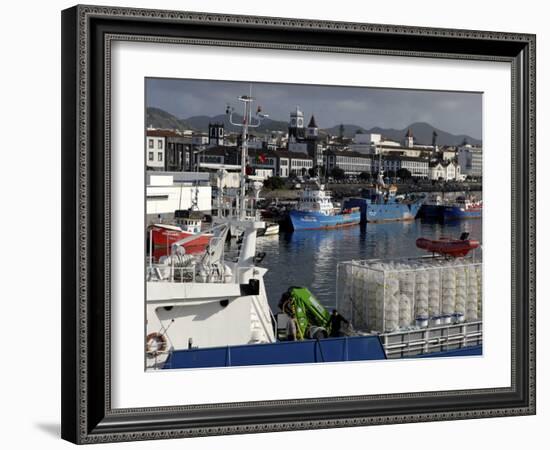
{"x": 282, "y": 224}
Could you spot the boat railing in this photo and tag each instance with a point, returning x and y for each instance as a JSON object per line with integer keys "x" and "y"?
{"x": 195, "y": 272}
{"x": 250, "y": 213}
{"x": 415, "y": 342}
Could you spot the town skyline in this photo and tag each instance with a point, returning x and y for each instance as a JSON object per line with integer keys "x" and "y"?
{"x": 366, "y": 107}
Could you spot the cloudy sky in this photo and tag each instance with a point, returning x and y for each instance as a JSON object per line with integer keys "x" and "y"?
{"x": 454, "y": 112}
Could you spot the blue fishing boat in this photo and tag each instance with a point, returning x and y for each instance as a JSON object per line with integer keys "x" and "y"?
{"x": 381, "y": 204}
{"x": 432, "y": 208}
{"x": 463, "y": 208}
{"x": 316, "y": 211}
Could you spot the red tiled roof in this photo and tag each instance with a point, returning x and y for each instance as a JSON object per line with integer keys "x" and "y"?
{"x": 162, "y": 133}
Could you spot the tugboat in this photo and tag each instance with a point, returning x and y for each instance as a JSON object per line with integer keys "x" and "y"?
{"x": 315, "y": 211}
{"x": 463, "y": 208}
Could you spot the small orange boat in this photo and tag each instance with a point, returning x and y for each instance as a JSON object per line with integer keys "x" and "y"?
{"x": 447, "y": 246}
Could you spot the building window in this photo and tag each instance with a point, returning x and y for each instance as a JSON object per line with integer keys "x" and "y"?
{"x": 159, "y": 157}
{"x": 160, "y": 144}
{"x": 151, "y": 156}
{"x": 151, "y": 143}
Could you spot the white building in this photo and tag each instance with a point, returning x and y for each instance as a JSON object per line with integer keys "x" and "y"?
{"x": 418, "y": 167}
{"x": 412, "y": 152}
{"x": 447, "y": 153}
{"x": 352, "y": 163}
{"x": 371, "y": 143}
{"x": 367, "y": 138}
{"x": 444, "y": 170}
{"x": 155, "y": 146}
{"x": 292, "y": 163}
{"x": 374, "y": 144}
{"x": 263, "y": 174}
{"x": 300, "y": 166}
{"x": 168, "y": 192}
{"x": 470, "y": 159}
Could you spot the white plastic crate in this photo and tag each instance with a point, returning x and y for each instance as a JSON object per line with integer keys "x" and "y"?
{"x": 390, "y": 295}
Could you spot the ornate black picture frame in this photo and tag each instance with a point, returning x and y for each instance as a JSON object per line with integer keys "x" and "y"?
{"x": 87, "y": 34}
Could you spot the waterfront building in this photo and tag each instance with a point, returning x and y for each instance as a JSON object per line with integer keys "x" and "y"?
{"x": 293, "y": 163}
{"x": 417, "y": 166}
{"x": 470, "y": 159}
{"x": 444, "y": 170}
{"x": 375, "y": 143}
{"x": 216, "y": 135}
{"x": 447, "y": 153}
{"x": 155, "y": 145}
{"x": 167, "y": 192}
{"x": 221, "y": 154}
{"x": 414, "y": 152}
{"x": 280, "y": 162}
{"x": 351, "y": 162}
{"x": 178, "y": 148}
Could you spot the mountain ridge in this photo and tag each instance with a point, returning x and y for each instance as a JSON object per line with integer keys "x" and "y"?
{"x": 422, "y": 131}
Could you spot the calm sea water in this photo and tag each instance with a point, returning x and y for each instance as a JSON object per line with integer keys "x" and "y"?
{"x": 309, "y": 258}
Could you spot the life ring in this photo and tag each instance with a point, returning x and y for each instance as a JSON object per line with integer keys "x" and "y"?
{"x": 155, "y": 343}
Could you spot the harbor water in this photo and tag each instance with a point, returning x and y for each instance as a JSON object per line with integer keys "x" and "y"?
{"x": 309, "y": 258}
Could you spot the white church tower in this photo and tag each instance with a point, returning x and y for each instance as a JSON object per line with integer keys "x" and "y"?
{"x": 296, "y": 124}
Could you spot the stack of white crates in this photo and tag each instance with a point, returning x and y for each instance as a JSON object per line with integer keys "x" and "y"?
{"x": 380, "y": 296}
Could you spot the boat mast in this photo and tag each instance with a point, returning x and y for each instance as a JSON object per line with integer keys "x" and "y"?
{"x": 380, "y": 171}
{"x": 247, "y": 122}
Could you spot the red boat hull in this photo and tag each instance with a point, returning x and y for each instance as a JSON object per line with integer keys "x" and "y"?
{"x": 163, "y": 239}
{"x": 450, "y": 247}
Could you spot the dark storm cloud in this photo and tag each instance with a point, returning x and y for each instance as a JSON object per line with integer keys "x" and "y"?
{"x": 454, "y": 112}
